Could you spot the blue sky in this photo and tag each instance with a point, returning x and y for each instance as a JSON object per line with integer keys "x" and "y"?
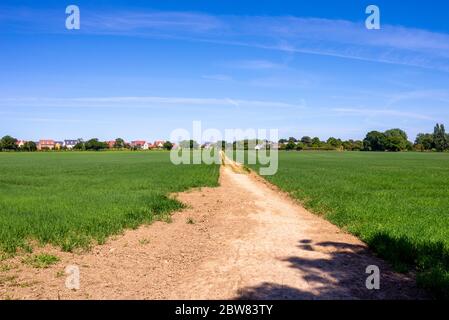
{"x": 140, "y": 71}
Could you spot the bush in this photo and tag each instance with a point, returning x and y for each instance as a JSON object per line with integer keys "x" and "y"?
{"x": 95, "y": 145}
{"x": 29, "y": 146}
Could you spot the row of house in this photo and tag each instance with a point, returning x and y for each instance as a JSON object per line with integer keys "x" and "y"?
{"x": 142, "y": 144}
{"x": 50, "y": 144}
{"x": 47, "y": 144}
{"x": 55, "y": 145}
{"x": 139, "y": 144}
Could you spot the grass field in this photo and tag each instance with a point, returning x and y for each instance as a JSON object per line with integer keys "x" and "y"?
{"x": 398, "y": 203}
{"x": 71, "y": 199}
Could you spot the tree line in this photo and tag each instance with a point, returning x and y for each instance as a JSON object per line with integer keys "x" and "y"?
{"x": 391, "y": 140}
{"x": 119, "y": 143}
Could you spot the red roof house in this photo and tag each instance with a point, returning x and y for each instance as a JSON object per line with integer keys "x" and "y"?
{"x": 46, "y": 144}
{"x": 138, "y": 143}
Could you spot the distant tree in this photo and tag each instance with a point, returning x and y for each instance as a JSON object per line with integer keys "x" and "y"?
{"x": 425, "y": 140}
{"x": 94, "y": 144}
{"x": 316, "y": 142}
{"x": 79, "y": 146}
{"x": 333, "y": 142}
{"x": 290, "y": 146}
{"x": 418, "y": 147}
{"x": 168, "y": 145}
{"x": 396, "y": 140}
{"x": 29, "y": 146}
{"x": 352, "y": 145}
{"x": 347, "y": 145}
{"x": 282, "y": 141}
{"x": 440, "y": 139}
{"x": 357, "y": 145}
{"x": 306, "y": 140}
{"x": 300, "y": 146}
{"x": 292, "y": 139}
{"x": 396, "y": 132}
{"x": 119, "y": 143}
{"x": 8, "y": 143}
{"x": 374, "y": 141}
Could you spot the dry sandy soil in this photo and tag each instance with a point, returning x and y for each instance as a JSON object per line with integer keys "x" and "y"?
{"x": 245, "y": 240}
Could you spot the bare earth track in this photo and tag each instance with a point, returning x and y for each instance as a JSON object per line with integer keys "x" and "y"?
{"x": 244, "y": 240}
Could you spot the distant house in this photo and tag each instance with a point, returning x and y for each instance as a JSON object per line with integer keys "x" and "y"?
{"x": 111, "y": 144}
{"x": 260, "y": 146}
{"x": 158, "y": 144}
{"x": 69, "y": 144}
{"x": 20, "y": 143}
{"x": 138, "y": 144}
{"x": 146, "y": 146}
{"x": 46, "y": 144}
{"x": 59, "y": 145}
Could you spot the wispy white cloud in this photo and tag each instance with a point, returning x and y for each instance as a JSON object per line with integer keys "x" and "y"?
{"x": 325, "y": 37}
{"x": 427, "y": 95}
{"x": 382, "y": 112}
{"x": 140, "y": 102}
{"x": 336, "y": 38}
{"x": 125, "y": 21}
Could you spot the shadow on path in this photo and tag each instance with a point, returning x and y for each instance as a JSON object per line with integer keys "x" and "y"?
{"x": 338, "y": 274}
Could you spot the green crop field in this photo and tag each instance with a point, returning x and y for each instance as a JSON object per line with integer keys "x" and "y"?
{"x": 71, "y": 199}
{"x": 398, "y": 203}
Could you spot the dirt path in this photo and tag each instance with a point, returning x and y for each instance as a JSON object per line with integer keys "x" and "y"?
{"x": 241, "y": 240}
